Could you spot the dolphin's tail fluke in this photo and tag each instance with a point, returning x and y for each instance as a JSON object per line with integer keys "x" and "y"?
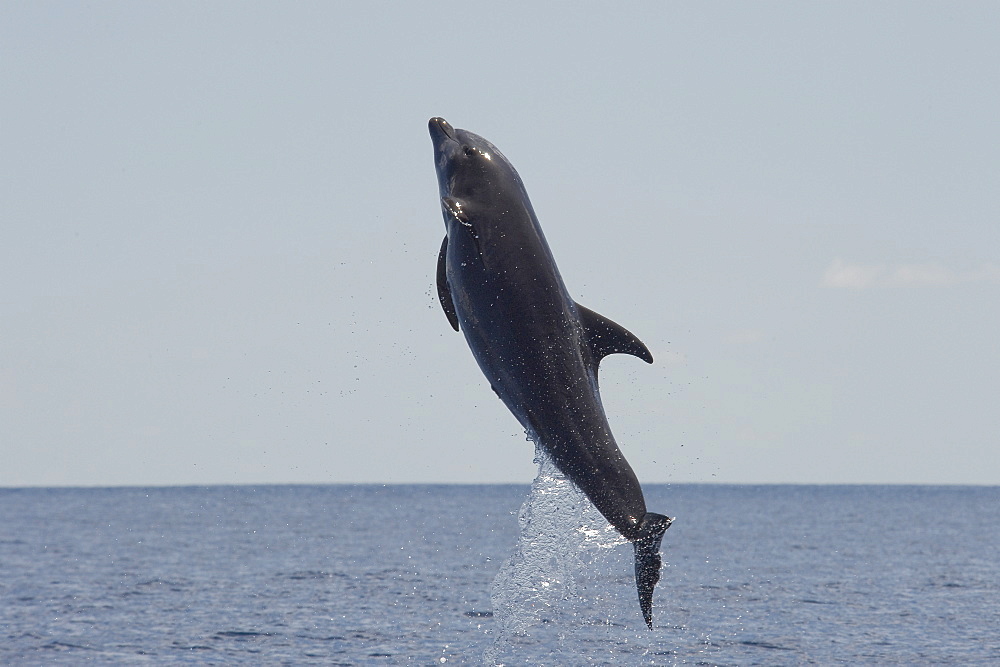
{"x": 647, "y": 560}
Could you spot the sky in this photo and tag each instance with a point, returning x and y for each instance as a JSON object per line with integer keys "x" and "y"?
{"x": 220, "y": 224}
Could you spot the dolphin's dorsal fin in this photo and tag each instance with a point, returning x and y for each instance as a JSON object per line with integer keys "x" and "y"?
{"x": 444, "y": 291}
{"x": 606, "y": 337}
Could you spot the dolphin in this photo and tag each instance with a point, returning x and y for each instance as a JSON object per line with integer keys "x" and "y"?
{"x": 498, "y": 283}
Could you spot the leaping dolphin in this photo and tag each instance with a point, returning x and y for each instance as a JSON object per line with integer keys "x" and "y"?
{"x": 498, "y": 283}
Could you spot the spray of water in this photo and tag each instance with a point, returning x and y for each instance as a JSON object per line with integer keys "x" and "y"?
{"x": 550, "y": 574}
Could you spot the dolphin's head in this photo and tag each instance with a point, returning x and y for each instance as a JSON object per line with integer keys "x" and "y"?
{"x": 470, "y": 169}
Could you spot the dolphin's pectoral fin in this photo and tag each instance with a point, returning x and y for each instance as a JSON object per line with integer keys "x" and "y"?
{"x": 458, "y": 211}
{"x": 648, "y": 561}
{"x": 444, "y": 291}
{"x": 606, "y": 337}
{"x": 455, "y": 210}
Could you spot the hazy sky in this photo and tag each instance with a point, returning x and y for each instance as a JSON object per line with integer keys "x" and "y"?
{"x": 220, "y": 224}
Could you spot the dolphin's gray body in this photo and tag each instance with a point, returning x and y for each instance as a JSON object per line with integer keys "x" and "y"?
{"x": 539, "y": 349}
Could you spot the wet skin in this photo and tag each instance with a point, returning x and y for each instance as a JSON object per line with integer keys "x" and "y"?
{"x": 498, "y": 283}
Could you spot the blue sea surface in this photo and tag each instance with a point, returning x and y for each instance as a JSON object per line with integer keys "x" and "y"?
{"x": 387, "y": 575}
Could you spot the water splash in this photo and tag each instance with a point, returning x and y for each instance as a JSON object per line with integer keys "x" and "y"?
{"x": 550, "y": 577}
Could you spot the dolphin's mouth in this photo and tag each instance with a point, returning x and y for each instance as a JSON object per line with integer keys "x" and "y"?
{"x": 441, "y": 130}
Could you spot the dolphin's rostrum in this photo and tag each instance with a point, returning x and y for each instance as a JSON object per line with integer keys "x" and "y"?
{"x": 498, "y": 283}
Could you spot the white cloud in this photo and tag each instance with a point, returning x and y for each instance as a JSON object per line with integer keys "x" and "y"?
{"x": 919, "y": 275}
{"x": 932, "y": 274}
{"x": 842, "y": 274}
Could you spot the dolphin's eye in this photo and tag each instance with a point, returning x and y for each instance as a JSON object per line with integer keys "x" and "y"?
{"x": 478, "y": 152}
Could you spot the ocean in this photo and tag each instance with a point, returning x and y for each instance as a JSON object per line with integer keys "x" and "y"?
{"x": 410, "y": 574}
